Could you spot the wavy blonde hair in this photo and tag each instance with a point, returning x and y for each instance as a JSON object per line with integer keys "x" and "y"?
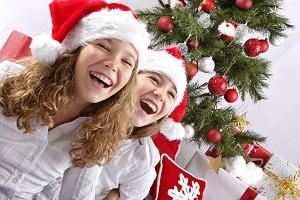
{"x": 40, "y": 92}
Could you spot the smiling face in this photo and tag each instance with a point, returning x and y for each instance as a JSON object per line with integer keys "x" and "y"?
{"x": 157, "y": 94}
{"x": 102, "y": 68}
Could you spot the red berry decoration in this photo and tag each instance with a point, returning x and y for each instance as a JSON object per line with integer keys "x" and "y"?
{"x": 231, "y": 95}
{"x": 252, "y": 47}
{"x": 208, "y": 5}
{"x": 194, "y": 43}
{"x": 217, "y": 85}
{"x": 165, "y": 24}
{"x": 213, "y": 135}
{"x": 243, "y": 5}
{"x": 264, "y": 44}
{"x": 191, "y": 69}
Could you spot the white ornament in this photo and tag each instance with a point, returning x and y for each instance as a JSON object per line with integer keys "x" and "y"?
{"x": 236, "y": 166}
{"x": 276, "y": 40}
{"x": 189, "y": 131}
{"x": 187, "y": 192}
{"x": 241, "y": 31}
{"x": 183, "y": 48}
{"x": 206, "y": 64}
{"x": 204, "y": 19}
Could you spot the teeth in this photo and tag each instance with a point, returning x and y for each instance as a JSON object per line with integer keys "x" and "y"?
{"x": 102, "y": 78}
{"x": 150, "y": 104}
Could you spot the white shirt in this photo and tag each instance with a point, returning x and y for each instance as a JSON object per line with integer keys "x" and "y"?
{"x": 29, "y": 162}
{"x": 133, "y": 172}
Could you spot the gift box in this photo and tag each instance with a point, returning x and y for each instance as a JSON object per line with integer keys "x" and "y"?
{"x": 212, "y": 152}
{"x": 258, "y": 154}
{"x": 16, "y": 46}
{"x": 280, "y": 179}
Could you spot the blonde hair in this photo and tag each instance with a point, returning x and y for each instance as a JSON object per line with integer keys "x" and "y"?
{"x": 40, "y": 92}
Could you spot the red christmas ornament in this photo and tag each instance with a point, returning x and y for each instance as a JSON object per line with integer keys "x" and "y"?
{"x": 264, "y": 44}
{"x": 213, "y": 135}
{"x": 217, "y": 85}
{"x": 165, "y": 24}
{"x": 231, "y": 95}
{"x": 191, "y": 69}
{"x": 252, "y": 47}
{"x": 208, "y": 5}
{"x": 194, "y": 43}
{"x": 243, "y": 5}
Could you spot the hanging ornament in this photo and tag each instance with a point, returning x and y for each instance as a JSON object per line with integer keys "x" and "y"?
{"x": 207, "y": 5}
{"x": 276, "y": 40}
{"x": 242, "y": 122}
{"x": 215, "y": 163}
{"x": 243, "y": 5}
{"x": 187, "y": 58}
{"x": 191, "y": 69}
{"x": 165, "y": 24}
{"x": 252, "y": 47}
{"x": 189, "y": 131}
{"x": 183, "y": 48}
{"x": 203, "y": 19}
{"x": 241, "y": 31}
{"x": 231, "y": 95}
{"x": 213, "y": 135}
{"x": 217, "y": 85}
{"x": 227, "y": 30}
{"x": 206, "y": 64}
{"x": 264, "y": 44}
{"x": 177, "y": 3}
{"x": 194, "y": 43}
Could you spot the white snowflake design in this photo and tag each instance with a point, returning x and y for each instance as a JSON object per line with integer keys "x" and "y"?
{"x": 187, "y": 192}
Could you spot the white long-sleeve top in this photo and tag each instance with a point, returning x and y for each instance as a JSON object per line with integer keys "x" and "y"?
{"x": 133, "y": 172}
{"x": 29, "y": 162}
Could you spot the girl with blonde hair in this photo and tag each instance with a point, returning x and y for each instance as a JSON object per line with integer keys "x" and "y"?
{"x": 71, "y": 102}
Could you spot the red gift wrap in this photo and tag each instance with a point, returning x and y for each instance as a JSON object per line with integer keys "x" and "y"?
{"x": 16, "y": 46}
{"x": 249, "y": 194}
{"x": 212, "y": 152}
{"x": 258, "y": 154}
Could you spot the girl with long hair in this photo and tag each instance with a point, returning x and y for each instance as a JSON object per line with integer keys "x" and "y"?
{"x": 70, "y": 103}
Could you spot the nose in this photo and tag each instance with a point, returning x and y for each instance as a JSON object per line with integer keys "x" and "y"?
{"x": 111, "y": 64}
{"x": 160, "y": 94}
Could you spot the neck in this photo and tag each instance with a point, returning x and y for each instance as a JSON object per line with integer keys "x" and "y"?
{"x": 69, "y": 113}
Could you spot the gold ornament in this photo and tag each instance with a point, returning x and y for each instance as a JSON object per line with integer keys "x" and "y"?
{"x": 242, "y": 122}
{"x": 286, "y": 186}
{"x": 215, "y": 163}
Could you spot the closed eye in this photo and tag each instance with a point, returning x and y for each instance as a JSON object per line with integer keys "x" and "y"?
{"x": 103, "y": 46}
{"x": 154, "y": 79}
{"x": 127, "y": 63}
{"x": 172, "y": 94}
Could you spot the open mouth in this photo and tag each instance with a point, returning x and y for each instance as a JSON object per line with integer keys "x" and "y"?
{"x": 148, "y": 106}
{"x": 101, "y": 80}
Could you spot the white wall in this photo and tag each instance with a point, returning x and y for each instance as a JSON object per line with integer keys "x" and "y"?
{"x": 277, "y": 118}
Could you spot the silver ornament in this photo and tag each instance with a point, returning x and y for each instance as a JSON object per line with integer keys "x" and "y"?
{"x": 203, "y": 19}
{"x": 206, "y": 64}
{"x": 183, "y": 48}
{"x": 276, "y": 40}
{"x": 189, "y": 131}
{"x": 241, "y": 31}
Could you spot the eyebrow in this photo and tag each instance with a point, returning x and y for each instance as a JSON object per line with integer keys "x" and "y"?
{"x": 173, "y": 85}
{"x": 127, "y": 52}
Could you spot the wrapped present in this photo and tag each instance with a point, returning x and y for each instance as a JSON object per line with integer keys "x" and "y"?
{"x": 280, "y": 180}
{"x": 16, "y": 46}
{"x": 258, "y": 154}
{"x": 212, "y": 152}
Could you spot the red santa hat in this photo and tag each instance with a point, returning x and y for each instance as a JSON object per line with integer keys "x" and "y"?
{"x": 77, "y": 22}
{"x": 168, "y": 62}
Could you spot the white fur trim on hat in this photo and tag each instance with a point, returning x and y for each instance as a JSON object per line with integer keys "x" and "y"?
{"x": 172, "y": 130}
{"x": 164, "y": 63}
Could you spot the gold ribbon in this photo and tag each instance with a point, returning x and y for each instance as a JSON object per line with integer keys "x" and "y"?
{"x": 286, "y": 186}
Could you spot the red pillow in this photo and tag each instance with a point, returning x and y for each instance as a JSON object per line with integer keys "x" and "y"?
{"x": 174, "y": 181}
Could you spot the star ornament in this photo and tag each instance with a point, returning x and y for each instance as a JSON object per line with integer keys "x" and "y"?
{"x": 215, "y": 163}
{"x": 242, "y": 122}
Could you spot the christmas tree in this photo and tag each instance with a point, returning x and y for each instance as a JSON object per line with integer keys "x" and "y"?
{"x": 210, "y": 35}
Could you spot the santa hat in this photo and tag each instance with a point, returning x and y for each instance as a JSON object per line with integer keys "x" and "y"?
{"x": 228, "y": 30}
{"x": 168, "y": 62}
{"x": 77, "y": 22}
